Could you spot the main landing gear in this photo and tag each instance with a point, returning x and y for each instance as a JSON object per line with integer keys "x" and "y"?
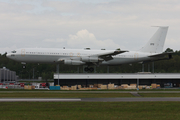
{"x": 87, "y": 69}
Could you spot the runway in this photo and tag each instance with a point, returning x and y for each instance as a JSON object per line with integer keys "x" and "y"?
{"x": 38, "y": 99}
{"x": 89, "y": 99}
{"x": 130, "y": 99}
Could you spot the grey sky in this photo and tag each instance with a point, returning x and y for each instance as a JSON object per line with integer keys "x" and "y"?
{"x": 109, "y": 24}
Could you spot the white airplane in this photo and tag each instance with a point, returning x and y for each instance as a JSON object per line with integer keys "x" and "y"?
{"x": 152, "y": 51}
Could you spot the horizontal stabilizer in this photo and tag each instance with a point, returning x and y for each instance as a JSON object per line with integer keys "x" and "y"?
{"x": 162, "y": 54}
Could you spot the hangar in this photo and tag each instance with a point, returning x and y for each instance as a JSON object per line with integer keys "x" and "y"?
{"x": 7, "y": 75}
{"x": 117, "y": 79}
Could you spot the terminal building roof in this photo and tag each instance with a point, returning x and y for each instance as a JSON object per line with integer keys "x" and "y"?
{"x": 118, "y": 76}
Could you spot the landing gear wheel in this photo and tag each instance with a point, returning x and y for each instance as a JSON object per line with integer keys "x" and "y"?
{"x": 91, "y": 69}
{"x": 86, "y": 69}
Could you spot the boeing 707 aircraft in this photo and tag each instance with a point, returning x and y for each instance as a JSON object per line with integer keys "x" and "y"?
{"x": 152, "y": 51}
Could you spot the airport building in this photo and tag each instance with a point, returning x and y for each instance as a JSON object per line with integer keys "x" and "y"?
{"x": 118, "y": 79}
{"x": 7, "y": 76}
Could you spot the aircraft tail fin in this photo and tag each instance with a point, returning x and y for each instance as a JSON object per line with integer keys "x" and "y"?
{"x": 156, "y": 43}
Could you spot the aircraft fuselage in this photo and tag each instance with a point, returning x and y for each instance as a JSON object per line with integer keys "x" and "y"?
{"x": 42, "y": 55}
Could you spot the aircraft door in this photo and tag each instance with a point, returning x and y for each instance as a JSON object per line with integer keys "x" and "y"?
{"x": 71, "y": 54}
{"x": 23, "y": 52}
{"x": 136, "y": 56}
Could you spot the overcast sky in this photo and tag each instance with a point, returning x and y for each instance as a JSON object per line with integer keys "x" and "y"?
{"x": 97, "y": 24}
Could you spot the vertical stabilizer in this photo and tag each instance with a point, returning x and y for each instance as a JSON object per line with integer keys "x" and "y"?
{"x": 156, "y": 43}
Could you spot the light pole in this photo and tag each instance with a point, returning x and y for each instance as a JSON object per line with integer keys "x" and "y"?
{"x": 33, "y": 73}
{"x": 28, "y": 74}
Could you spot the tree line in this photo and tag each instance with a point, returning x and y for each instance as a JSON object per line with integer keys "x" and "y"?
{"x": 46, "y": 71}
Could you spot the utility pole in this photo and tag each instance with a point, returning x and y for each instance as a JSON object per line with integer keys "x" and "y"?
{"x": 107, "y": 69}
{"x": 152, "y": 67}
{"x": 58, "y": 72}
{"x": 33, "y": 73}
{"x": 142, "y": 67}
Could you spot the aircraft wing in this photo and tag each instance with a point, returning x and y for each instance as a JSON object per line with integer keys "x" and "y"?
{"x": 108, "y": 55}
{"x": 100, "y": 57}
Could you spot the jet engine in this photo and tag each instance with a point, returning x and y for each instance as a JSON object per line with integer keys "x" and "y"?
{"x": 90, "y": 59}
{"x": 73, "y": 62}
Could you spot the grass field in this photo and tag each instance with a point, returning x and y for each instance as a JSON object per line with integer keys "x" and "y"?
{"x": 80, "y": 95}
{"x": 162, "y": 89}
{"x": 62, "y": 95}
{"x": 86, "y": 110}
{"x": 90, "y": 110}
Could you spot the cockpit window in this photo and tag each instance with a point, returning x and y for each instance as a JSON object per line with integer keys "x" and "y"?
{"x": 14, "y": 51}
